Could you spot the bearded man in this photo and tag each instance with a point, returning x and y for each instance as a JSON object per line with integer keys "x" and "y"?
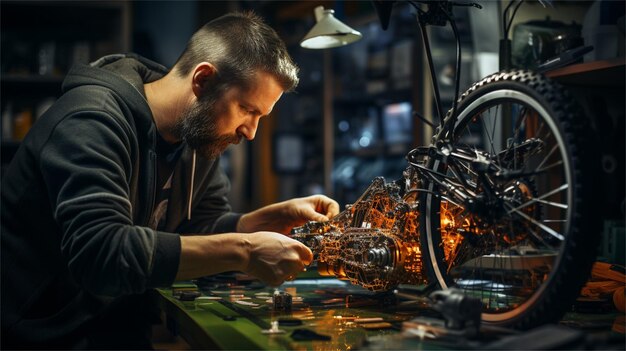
{"x": 117, "y": 190}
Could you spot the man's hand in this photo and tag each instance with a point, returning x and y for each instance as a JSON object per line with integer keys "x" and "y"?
{"x": 283, "y": 216}
{"x": 271, "y": 257}
{"x": 274, "y": 258}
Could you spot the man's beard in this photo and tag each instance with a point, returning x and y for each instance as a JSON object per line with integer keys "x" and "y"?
{"x": 198, "y": 128}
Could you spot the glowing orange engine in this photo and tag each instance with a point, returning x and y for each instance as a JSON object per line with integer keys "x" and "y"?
{"x": 375, "y": 242}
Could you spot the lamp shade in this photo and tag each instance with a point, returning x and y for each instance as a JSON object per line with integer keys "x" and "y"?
{"x": 328, "y": 32}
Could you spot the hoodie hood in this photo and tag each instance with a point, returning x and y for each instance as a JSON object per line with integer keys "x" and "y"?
{"x": 124, "y": 73}
{"x": 134, "y": 69}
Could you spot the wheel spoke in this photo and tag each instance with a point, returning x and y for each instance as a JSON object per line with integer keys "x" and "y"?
{"x": 552, "y": 203}
{"x": 493, "y": 129}
{"x": 536, "y": 199}
{"x": 493, "y": 150}
{"x": 521, "y": 122}
{"x": 548, "y": 156}
{"x": 539, "y": 224}
{"x": 557, "y": 163}
{"x": 540, "y": 239}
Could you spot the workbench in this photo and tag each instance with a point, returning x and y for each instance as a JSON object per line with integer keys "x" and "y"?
{"x": 329, "y": 314}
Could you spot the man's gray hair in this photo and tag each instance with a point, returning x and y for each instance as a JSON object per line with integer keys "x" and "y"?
{"x": 239, "y": 44}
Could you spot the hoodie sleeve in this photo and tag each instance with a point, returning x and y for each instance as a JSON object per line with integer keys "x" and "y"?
{"x": 87, "y": 166}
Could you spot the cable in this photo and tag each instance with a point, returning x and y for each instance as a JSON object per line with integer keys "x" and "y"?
{"x": 504, "y": 15}
{"x": 458, "y": 62}
{"x": 512, "y": 17}
{"x": 423, "y": 119}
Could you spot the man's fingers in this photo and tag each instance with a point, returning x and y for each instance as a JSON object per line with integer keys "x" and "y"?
{"x": 306, "y": 255}
{"x": 318, "y": 217}
{"x": 333, "y": 210}
{"x": 327, "y": 205}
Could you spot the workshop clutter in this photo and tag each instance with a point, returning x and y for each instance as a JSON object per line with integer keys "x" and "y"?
{"x": 606, "y": 282}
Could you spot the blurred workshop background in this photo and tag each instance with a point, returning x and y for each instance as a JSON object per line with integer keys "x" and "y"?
{"x": 351, "y": 117}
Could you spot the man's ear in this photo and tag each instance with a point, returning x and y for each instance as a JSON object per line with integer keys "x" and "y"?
{"x": 203, "y": 74}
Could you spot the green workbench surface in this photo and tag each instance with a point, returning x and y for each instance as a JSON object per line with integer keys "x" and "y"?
{"x": 231, "y": 315}
{"x": 328, "y": 307}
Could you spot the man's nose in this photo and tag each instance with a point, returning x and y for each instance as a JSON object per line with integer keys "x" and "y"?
{"x": 248, "y": 129}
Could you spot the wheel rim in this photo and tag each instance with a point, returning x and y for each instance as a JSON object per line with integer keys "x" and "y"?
{"x": 540, "y": 211}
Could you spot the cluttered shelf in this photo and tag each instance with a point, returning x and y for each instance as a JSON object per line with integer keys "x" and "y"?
{"x": 25, "y": 86}
{"x": 15, "y": 78}
{"x": 41, "y": 40}
{"x": 608, "y": 73}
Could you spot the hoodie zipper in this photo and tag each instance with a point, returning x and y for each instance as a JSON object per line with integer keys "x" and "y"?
{"x": 193, "y": 174}
{"x": 151, "y": 194}
{"x": 154, "y": 175}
